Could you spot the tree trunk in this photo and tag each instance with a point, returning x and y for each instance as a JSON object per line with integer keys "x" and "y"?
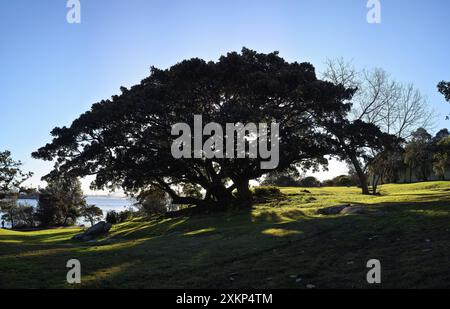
{"x": 361, "y": 175}
{"x": 65, "y": 220}
{"x": 244, "y": 195}
{"x": 375, "y": 185}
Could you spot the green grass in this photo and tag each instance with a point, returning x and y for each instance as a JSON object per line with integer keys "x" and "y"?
{"x": 272, "y": 246}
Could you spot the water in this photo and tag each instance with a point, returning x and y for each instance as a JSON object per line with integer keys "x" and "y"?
{"x": 105, "y": 203}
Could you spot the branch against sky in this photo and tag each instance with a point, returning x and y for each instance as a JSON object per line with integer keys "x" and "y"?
{"x": 444, "y": 88}
{"x": 397, "y": 108}
{"x": 11, "y": 175}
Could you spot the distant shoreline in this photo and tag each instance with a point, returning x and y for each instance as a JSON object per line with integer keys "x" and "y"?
{"x": 87, "y": 196}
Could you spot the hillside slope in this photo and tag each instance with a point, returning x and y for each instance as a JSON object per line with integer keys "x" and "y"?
{"x": 279, "y": 244}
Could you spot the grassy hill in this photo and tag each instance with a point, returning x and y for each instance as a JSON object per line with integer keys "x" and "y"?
{"x": 278, "y": 244}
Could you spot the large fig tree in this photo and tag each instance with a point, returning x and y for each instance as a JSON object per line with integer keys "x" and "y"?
{"x": 126, "y": 141}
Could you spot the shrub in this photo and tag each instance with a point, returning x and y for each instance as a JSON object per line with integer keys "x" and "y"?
{"x": 152, "y": 202}
{"x": 125, "y": 215}
{"x": 328, "y": 183}
{"x": 266, "y": 192}
{"x": 19, "y": 215}
{"x": 344, "y": 181}
{"x": 91, "y": 213}
{"x": 281, "y": 181}
{"x": 112, "y": 217}
{"x": 310, "y": 182}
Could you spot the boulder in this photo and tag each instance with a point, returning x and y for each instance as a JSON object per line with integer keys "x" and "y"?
{"x": 93, "y": 232}
{"x": 353, "y": 210}
{"x": 333, "y": 210}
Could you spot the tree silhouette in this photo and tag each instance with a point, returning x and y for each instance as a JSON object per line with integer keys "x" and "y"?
{"x": 444, "y": 88}
{"x": 11, "y": 175}
{"x": 126, "y": 141}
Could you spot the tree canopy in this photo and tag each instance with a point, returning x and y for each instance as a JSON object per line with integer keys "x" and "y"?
{"x": 11, "y": 175}
{"x": 61, "y": 202}
{"x": 126, "y": 141}
{"x": 444, "y": 88}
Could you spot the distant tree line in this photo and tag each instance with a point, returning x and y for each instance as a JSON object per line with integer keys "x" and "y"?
{"x": 61, "y": 203}
{"x": 423, "y": 155}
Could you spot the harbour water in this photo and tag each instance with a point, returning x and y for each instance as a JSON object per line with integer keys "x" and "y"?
{"x": 105, "y": 203}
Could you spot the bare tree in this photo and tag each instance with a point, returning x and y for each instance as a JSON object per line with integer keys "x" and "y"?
{"x": 396, "y": 108}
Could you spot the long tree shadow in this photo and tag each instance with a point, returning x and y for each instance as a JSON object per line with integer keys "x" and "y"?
{"x": 270, "y": 249}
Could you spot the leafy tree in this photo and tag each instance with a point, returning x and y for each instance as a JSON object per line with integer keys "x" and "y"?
{"x": 11, "y": 175}
{"x": 113, "y": 217}
{"x": 60, "y": 202}
{"x": 441, "y": 163}
{"x": 11, "y": 178}
{"x": 343, "y": 181}
{"x": 264, "y": 194}
{"x": 310, "y": 182}
{"x": 126, "y": 215}
{"x": 190, "y": 190}
{"x": 418, "y": 154}
{"x": 355, "y": 142}
{"x": 391, "y": 108}
{"x": 126, "y": 141}
{"x": 444, "y": 88}
{"x": 444, "y": 133}
{"x": 18, "y": 215}
{"x": 385, "y": 168}
{"x": 153, "y": 202}
{"x": 91, "y": 213}
{"x": 288, "y": 178}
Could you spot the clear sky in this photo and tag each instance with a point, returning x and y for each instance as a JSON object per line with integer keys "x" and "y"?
{"x": 52, "y": 71}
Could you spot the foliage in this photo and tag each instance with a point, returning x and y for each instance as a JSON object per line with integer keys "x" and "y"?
{"x": 126, "y": 215}
{"x": 115, "y": 217}
{"x": 152, "y": 202}
{"x": 11, "y": 179}
{"x": 91, "y": 213}
{"x": 60, "y": 202}
{"x": 287, "y": 178}
{"x": 444, "y": 88}
{"x": 310, "y": 182}
{"x": 441, "y": 158}
{"x": 11, "y": 175}
{"x": 355, "y": 141}
{"x": 266, "y": 192}
{"x": 112, "y": 217}
{"x": 126, "y": 141}
{"x": 418, "y": 154}
{"x": 387, "y": 108}
{"x": 341, "y": 181}
{"x": 190, "y": 190}
{"x": 385, "y": 167}
{"x": 19, "y": 215}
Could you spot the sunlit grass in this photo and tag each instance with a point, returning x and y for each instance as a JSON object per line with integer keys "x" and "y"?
{"x": 199, "y": 232}
{"x": 281, "y": 240}
{"x": 280, "y": 232}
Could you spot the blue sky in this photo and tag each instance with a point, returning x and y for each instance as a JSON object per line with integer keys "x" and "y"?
{"x": 52, "y": 71}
